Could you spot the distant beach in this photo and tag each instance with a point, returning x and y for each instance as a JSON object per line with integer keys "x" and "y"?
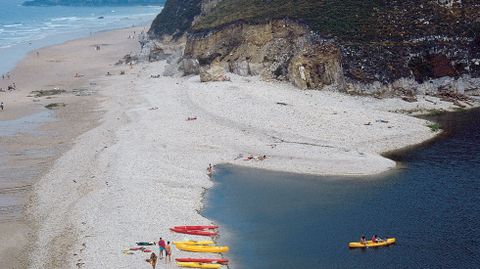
{"x": 145, "y": 140}
{"x": 24, "y": 29}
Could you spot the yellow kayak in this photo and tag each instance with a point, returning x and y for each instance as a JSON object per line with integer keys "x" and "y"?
{"x": 194, "y": 243}
{"x": 199, "y": 265}
{"x": 195, "y": 248}
{"x": 371, "y": 244}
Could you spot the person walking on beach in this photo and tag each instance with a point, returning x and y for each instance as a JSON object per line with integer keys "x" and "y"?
{"x": 168, "y": 252}
{"x": 153, "y": 260}
{"x": 161, "y": 247}
{"x": 1, "y": 106}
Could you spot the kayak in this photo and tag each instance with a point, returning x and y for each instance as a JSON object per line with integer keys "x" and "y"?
{"x": 191, "y": 242}
{"x": 194, "y": 232}
{"x": 193, "y": 248}
{"x": 222, "y": 261}
{"x": 199, "y": 265}
{"x": 205, "y": 227}
{"x": 371, "y": 244}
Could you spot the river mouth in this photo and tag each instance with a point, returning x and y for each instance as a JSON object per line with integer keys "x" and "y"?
{"x": 430, "y": 204}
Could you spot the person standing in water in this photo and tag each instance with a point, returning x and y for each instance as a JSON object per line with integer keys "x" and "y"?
{"x": 210, "y": 169}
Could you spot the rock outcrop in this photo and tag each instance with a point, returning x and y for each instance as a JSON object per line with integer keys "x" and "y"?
{"x": 212, "y": 72}
{"x": 175, "y": 18}
{"x": 279, "y": 49}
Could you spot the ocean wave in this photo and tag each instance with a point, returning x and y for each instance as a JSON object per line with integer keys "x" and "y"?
{"x": 16, "y": 24}
{"x": 65, "y": 19}
{"x": 20, "y": 32}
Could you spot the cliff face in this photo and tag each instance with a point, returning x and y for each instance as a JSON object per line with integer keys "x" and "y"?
{"x": 279, "y": 49}
{"x": 346, "y": 42}
{"x": 91, "y": 2}
{"x": 176, "y": 18}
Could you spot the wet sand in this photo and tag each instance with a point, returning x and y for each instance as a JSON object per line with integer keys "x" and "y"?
{"x": 32, "y": 137}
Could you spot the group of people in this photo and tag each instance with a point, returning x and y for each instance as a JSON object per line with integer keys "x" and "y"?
{"x": 165, "y": 250}
{"x": 11, "y": 87}
{"x": 375, "y": 239}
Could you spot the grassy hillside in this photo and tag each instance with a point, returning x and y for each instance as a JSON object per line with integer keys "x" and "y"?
{"x": 353, "y": 20}
{"x": 339, "y": 17}
{"x": 175, "y": 18}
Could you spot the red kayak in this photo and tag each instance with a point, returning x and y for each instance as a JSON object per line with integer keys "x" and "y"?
{"x": 196, "y": 227}
{"x": 222, "y": 261}
{"x": 194, "y": 232}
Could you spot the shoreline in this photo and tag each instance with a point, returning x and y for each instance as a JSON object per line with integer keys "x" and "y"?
{"x": 33, "y": 143}
{"x": 143, "y": 153}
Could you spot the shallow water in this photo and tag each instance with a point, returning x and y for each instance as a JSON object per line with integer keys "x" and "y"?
{"x": 25, "y": 28}
{"x": 25, "y": 124}
{"x": 20, "y": 164}
{"x": 430, "y": 204}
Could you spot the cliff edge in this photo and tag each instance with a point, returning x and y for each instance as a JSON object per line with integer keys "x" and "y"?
{"x": 372, "y": 47}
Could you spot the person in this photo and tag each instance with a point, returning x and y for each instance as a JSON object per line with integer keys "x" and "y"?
{"x": 376, "y": 239}
{"x": 210, "y": 169}
{"x": 1, "y": 105}
{"x": 363, "y": 240}
{"x": 161, "y": 247}
{"x": 153, "y": 260}
{"x": 168, "y": 252}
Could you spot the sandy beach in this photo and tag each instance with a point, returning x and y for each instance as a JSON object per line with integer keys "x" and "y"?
{"x": 32, "y": 137}
{"x": 138, "y": 166}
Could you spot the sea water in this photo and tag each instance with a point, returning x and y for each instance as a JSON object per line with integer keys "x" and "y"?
{"x": 23, "y": 29}
{"x": 431, "y": 204}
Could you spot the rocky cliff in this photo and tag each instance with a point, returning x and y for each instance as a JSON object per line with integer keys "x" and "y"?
{"x": 363, "y": 46}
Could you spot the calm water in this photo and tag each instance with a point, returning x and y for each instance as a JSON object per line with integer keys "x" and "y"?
{"x": 431, "y": 204}
{"x": 23, "y": 29}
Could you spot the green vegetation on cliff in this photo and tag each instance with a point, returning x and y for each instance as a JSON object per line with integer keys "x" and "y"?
{"x": 176, "y": 17}
{"x": 338, "y": 17}
{"x": 353, "y": 20}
